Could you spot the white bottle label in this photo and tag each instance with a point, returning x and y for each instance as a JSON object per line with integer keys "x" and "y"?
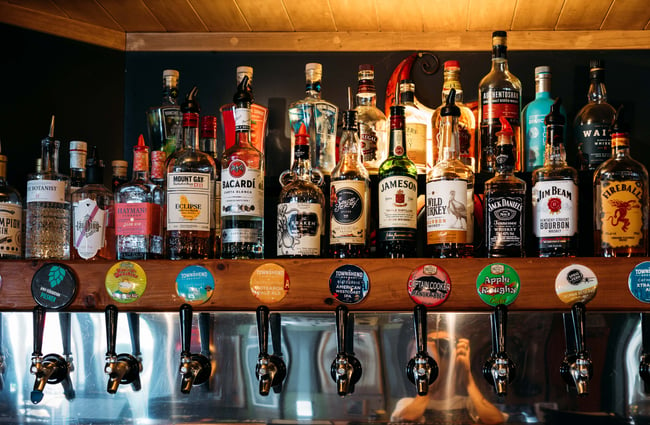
{"x": 242, "y": 190}
{"x": 349, "y": 212}
{"x": 416, "y": 142}
{"x": 46, "y": 191}
{"x": 398, "y": 202}
{"x": 240, "y": 235}
{"x": 188, "y": 201}
{"x": 555, "y": 208}
{"x": 11, "y": 216}
{"x": 447, "y": 212}
{"x": 299, "y": 228}
{"x": 89, "y": 222}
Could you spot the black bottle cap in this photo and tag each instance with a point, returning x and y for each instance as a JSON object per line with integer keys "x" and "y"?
{"x": 499, "y": 34}
{"x": 450, "y": 108}
{"x": 350, "y": 119}
{"x": 596, "y": 64}
{"x": 555, "y": 117}
{"x": 243, "y": 94}
{"x": 191, "y": 103}
{"x": 619, "y": 125}
{"x": 94, "y": 168}
{"x": 396, "y": 110}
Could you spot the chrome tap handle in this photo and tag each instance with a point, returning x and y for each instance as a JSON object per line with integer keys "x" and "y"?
{"x": 110, "y": 314}
{"x": 134, "y": 330}
{"x": 186, "y": 329}
{"x": 499, "y": 369}
{"x": 421, "y": 370}
{"x": 420, "y": 325}
{"x": 38, "y": 316}
{"x": 342, "y": 330}
{"x": 262, "y": 315}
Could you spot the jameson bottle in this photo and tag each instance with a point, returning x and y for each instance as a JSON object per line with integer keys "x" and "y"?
{"x": 349, "y": 196}
{"x": 398, "y": 193}
{"x": 371, "y": 121}
{"x": 555, "y": 194}
{"x": 621, "y": 200}
{"x": 11, "y": 217}
{"x": 499, "y": 95}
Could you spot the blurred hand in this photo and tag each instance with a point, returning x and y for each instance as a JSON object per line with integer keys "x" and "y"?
{"x": 463, "y": 357}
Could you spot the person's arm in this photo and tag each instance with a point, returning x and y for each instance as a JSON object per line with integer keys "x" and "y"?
{"x": 410, "y": 409}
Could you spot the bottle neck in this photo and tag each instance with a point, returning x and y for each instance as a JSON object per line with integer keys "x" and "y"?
{"x": 141, "y": 163}
{"x": 499, "y": 58}
{"x": 3, "y": 168}
{"x": 542, "y": 87}
{"x": 50, "y": 156}
{"x": 301, "y": 166}
{"x": 243, "y": 124}
{"x": 366, "y": 94}
{"x": 313, "y": 89}
{"x": 505, "y": 158}
{"x": 397, "y": 145}
{"x": 169, "y": 95}
{"x": 191, "y": 130}
{"x": 620, "y": 145}
{"x": 449, "y": 143}
{"x": 597, "y": 92}
{"x": 452, "y": 81}
{"x": 554, "y": 153}
{"x": 407, "y": 98}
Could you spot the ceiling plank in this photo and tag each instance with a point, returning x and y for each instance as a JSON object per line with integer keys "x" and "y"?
{"x": 176, "y": 15}
{"x": 354, "y": 15}
{"x": 444, "y": 15}
{"x": 266, "y": 15}
{"x": 627, "y": 15}
{"x": 530, "y": 16}
{"x": 88, "y": 11}
{"x": 490, "y": 15}
{"x": 583, "y": 14}
{"x": 310, "y": 15}
{"x": 222, "y": 15}
{"x": 45, "y": 6}
{"x": 398, "y": 16}
{"x": 132, "y": 16}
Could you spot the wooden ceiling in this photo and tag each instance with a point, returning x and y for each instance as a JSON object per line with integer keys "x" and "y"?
{"x": 336, "y": 25}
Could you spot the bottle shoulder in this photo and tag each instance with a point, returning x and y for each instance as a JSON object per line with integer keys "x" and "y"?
{"x": 505, "y": 180}
{"x": 397, "y": 166}
{"x": 348, "y": 169}
{"x": 369, "y": 113}
{"x": 300, "y": 190}
{"x": 10, "y": 194}
{"x": 452, "y": 169}
{"x": 555, "y": 172}
{"x": 92, "y": 191}
{"x": 190, "y": 160}
{"x": 590, "y": 113}
{"x": 619, "y": 168}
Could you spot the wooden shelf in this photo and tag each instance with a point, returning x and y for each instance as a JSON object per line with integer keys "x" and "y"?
{"x": 309, "y": 290}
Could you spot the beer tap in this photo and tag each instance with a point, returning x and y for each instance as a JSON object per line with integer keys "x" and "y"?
{"x": 195, "y": 369}
{"x": 499, "y": 369}
{"x": 346, "y": 369}
{"x": 577, "y": 368}
{"x": 644, "y": 365}
{"x": 422, "y": 370}
{"x": 122, "y": 368}
{"x": 2, "y": 358}
{"x": 270, "y": 369}
{"x": 205, "y": 332}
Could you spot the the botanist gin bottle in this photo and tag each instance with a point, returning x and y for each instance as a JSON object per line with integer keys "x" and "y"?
{"x": 11, "y": 217}
{"x": 48, "y": 206}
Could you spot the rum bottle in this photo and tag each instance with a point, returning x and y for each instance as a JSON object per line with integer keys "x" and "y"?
{"x": 78, "y": 154}
{"x": 11, "y": 217}
{"x": 371, "y": 121}
{"x": 417, "y": 124}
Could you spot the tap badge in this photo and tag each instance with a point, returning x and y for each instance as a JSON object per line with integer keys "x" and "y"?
{"x": 429, "y": 285}
{"x": 269, "y": 283}
{"x": 54, "y": 286}
{"x": 639, "y": 282}
{"x": 497, "y": 284}
{"x": 126, "y": 281}
{"x": 349, "y": 284}
{"x": 195, "y": 284}
{"x": 576, "y": 283}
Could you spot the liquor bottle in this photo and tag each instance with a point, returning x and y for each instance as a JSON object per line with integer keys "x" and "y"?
{"x": 258, "y": 115}
{"x": 418, "y": 126}
{"x": 349, "y": 196}
{"x": 78, "y": 153}
{"x": 398, "y": 193}
{"x": 466, "y": 121}
{"x": 621, "y": 199}
{"x": 555, "y": 194}
{"x": 11, "y": 217}
{"x": 592, "y": 124}
{"x": 164, "y": 121}
{"x": 532, "y": 118}
{"x": 93, "y": 227}
{"x": 371, "y": 121}
{"x": 120, "y": 168}
{"x": 190, "y": 192}
{"x": 48, "y": 206}
{"x": 505, "y": 202}
{"x": 138, "y": 212}
{"x": 319, "y": 117}
{"x": 208, "y": 144}
{"x": 301, "y": 204}
{"x": 450, "y": 192}
{"x": 242, "y": 187}
{"x": 499, "y": 95}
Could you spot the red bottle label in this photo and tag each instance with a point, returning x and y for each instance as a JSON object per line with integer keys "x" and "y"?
{"x": 141, "y": 218}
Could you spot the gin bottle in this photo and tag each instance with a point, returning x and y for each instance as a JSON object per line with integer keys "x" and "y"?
{"x": 78, "y": 154}
{"x": 48, "y": 206}
{"x": 417, "y": 126}
{"x": 371, "y": 121}
{"x": 11, "y": 217}
{"x": 164, "y": 121}
{"x": 320, "y": 119}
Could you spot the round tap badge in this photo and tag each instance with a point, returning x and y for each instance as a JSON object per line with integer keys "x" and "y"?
{"x": 126, "y": 282}
{"x": 497, "y": 284}
{"x": 54, "y": 286}
{"x": 349, "y": 284}
{"x": 269, "y": 283}
{"x": 195, "y": 284}
{"x": 429, "y": 285}
{"x": 576, "y": 283}
{"x": 639, "y": 282}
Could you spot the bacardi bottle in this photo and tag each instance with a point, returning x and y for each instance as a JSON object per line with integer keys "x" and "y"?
{"x": 371, "y": 121}
{"x": 11, "y": 217}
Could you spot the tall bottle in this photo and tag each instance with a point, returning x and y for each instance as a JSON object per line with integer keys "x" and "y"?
{"x": 398, "y": 194}
{"x": 466, "y": 121}
{"x": 190, "y": 192}
{"x": 592, "y": 123}
{"x": 78, "y": 154}
{"x": 349, "y": 196}
{"x": 621, "y": 199}
{"x": 208, "y": 144}
{"x": 555, "y": 194}
{"x": 11, "y": 217}
{"x": 242, "y": 187}
{"x": 164, "y": 121}
{"x": 319, "y": 117}
{"x": 371, "y": 121}
{"x": 505, "y": 202}
{"x": 499, "y": 95}
{"x": 417, "y": 126}
{"x": 93, "y": 224}
{"x": 138, "y": 212}
{"x": 450, "y": 192}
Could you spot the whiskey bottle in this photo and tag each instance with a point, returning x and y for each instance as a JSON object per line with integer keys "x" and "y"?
{"x": 300, "y": 205}
{"x": 505, "y": 202}
{"x": 621, "y": 199}
{"x": 349, "y": 196}
{"x": 417, "y": 126}
{"x": 242, "y": 187}
{"x": 450, "y": 192}
{"x": 120, "y": 168}
{"x": 190, "y": 191}
{"x": 138, "y": 212}
{"x": 499, "y": 95}
{"x": 592, "y": 124}
{"x": 555, "y": 194}
{"x": 48, "y": 206}
{"x": 208, "y": 144}
{"x": 78, "y": 154}
{"x": 11, "y": 217}
{"x": 371, "y": 121}
{"x": 398, "y": 193}
{"x": 319, "y": 117}
{"x": 164, "y": 121}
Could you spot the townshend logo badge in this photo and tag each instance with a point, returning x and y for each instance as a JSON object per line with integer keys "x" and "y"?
{"x": 237, "y": 168}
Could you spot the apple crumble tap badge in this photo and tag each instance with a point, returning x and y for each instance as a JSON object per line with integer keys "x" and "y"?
{"x": 639, "y": 282}
{"x": 126, "y": 281}
{"x": 497, "y": 284}
{"x": 269, "y": 283}
{"x": 429, "y": 285}
{"x": 195, "y": 284}
{"x": 349, "y": 284}
{"x": 54, "y": 286}
{"x": 576, "y": 283}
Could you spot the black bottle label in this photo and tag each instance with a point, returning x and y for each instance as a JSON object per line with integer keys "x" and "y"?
{"x": 505, "y": 221}
{"x": 594, "y": 143}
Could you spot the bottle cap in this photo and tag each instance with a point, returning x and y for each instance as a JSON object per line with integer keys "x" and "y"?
{"x": 366, "y": 67}
{"x": 170, "y": 73}
{"x": 406, "y": 86}
{"x": 450, "y": 108}
{"x": 499, "y": 38}
{"x": 209, "y": 127}
{"x": 302, "y": 138}
{"x": 244, "y": 70}
{"x": 619, "y": 125}
{"x": 191, "y": 103}
{"x": 453, "y": 64}
{"x": 596, "y": 64}
{"x": 311, "y": 67}
{"x": 542, "y": 70}
{"x": 118, "y": 165}
{"x": 555, "y": 117}
{"x": 94, "y": 168}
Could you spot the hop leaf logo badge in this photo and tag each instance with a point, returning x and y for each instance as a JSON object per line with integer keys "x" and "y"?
{"x": 55, "y": 276}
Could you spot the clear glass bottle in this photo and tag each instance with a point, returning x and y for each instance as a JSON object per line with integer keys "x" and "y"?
{"x": 418, "y": 126}
{"x": 319, "y": 117}
{"x": 164, "y": 121}
{"x": 349, "y": 196}
{"x": 499, "y": 95}
{"x": 449, "y": 199}
{"x": 120, "y": 169}
{"x": 621, "y": 199}
{"x": 555, "y": 194}
{"x": 242, "y": 187}
{"x": 208, "y": 144}
{"x": 48, "y": 206}
{"x": 371, "y": 121}
{"x": 138, "y": 212}
{"x": 78, "y": 154}
{"x": 11, "y": 217}
{"x": 398, "y": 194}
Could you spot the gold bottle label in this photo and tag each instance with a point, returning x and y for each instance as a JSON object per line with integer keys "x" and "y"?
{"x": 621, "y": 214}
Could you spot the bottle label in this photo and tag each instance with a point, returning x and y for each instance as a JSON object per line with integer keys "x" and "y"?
{"x": 504, "y": 221}
{"x": 171, "y": 121}
{"x": 242, "y": 190}
{"x": 46, "y": 191}
{"x": 348, "y": 220}
{"x": 11, "y": 218}
{"x": 398, "y": 146}
{"x": 235, "y": 235}
{"x": 258, "y": 118}
{"x": 447, "y": 212}
{"x": 594, "y": 143}
{"x": 89, "y": 223}
{"x": 621, "y": 213}
{"x": 535, "y": 140}
{"x": 188, "y": 201}
{"x": 137, "y": 218}
{"x": 158, "y": 159}
{"x": 398, "y": 202}
{"x": 368, "y": 139}
{"x": 325, "y": 117}
{"x": 416, "y": 142}
{"x": 502, "y": 102}
{"x": 299, "y": 228}
{"x": 242, "y": 119}
{"x": 78, "y": 155}
{"x": 555, "y": 208}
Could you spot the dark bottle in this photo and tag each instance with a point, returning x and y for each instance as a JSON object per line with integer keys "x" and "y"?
{"x": 208, "y": 144}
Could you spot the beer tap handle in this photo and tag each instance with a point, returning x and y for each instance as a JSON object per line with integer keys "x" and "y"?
{"x": 499, "y": 326}
{"x": 186, "y": 329}
{"x": 569, "y": 333}
{"x": 111, "y": 330}
{"x": 342, "y": 328}
{"x": 276, "y": 333}
{"x": 64, "y": 323}
{"x": 262, "y": 314}
{"x": 644, "y": 364}
{"x": 420, "y": 324}
{"x": 134, "y": 330}
{"x": 204, "y": 333}
{"x": 38, "y": 316}
{"x": 578, "y": 312}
